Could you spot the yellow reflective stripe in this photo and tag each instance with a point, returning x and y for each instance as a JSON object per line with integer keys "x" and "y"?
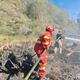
{"x": 39, "y": 42}
{"x": 45, "y": 43}
{"x": 42, "y": 68}
{"x": 45, "y": 64}
{"x": 41, "y": 64}
{"x": 46, "y": 56}
{"x": 47, "y": 37}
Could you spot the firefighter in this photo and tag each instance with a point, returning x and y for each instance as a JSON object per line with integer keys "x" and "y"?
{"x": 58, "y": 43}
{"x": 42, "y": 44}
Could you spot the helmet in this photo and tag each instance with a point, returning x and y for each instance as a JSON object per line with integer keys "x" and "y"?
{"x": 49, "y": 28}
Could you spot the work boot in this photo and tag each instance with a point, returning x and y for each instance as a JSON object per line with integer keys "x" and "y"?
{"x": 33, "y": 76}
{"x": 37, "y": 78}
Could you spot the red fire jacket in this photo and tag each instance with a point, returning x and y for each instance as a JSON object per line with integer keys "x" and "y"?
{"x": 43, "y": 43}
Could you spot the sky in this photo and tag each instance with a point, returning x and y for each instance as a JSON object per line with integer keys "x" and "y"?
{"x": 70, "y": 6}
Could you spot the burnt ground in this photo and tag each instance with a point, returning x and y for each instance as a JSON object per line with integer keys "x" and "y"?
{"x": 60, "y": 67}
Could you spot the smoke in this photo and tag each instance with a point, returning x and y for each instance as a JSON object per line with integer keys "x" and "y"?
{"x": 72, "y": 39}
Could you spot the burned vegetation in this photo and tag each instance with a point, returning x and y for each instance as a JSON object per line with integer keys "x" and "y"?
{"x": 17, "y": 60}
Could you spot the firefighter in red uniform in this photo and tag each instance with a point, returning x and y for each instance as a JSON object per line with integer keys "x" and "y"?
{"x": 43, "y": 43}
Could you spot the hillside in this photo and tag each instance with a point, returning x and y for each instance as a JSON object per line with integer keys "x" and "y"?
{"x": 21, "y": 23}
{"x": 44, "y": 13}
{"x": 29, "y": 17}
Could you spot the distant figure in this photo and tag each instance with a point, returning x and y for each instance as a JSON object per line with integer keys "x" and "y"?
{"x": 58, "y": 43}
{"x": 43, "y": 43}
